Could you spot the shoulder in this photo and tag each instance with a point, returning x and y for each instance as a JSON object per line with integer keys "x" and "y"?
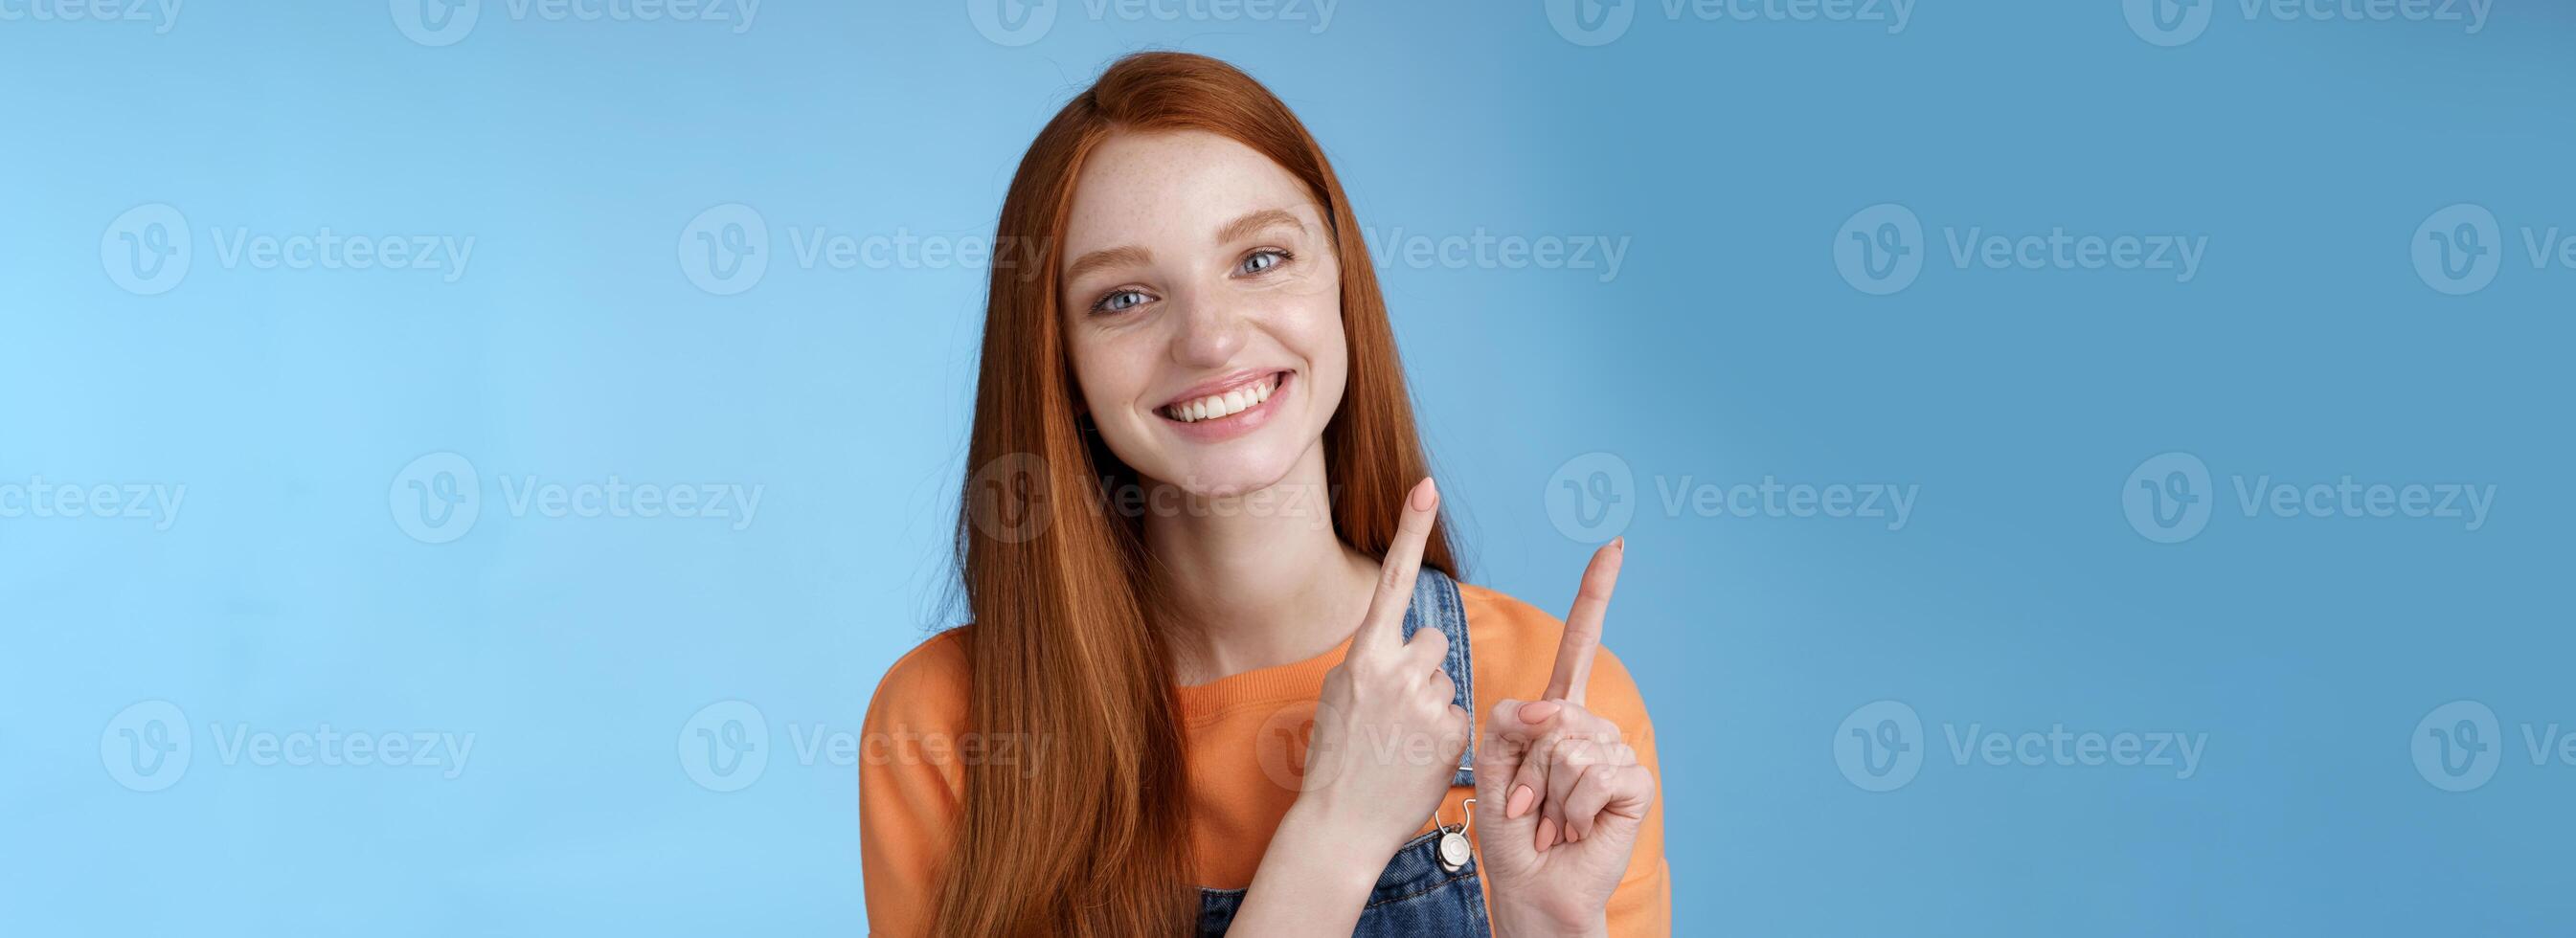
{"x": 926, "y": 689}
{"x": 1513, "y": 647}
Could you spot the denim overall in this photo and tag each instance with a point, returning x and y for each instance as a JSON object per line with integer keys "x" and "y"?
{"x": 1416, "y": 895}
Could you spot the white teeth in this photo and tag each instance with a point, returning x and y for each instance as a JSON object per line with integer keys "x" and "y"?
{"x": 1223, "y": 405}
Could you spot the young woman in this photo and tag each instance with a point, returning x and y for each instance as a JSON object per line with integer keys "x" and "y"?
{"x": 1221, "y": 672}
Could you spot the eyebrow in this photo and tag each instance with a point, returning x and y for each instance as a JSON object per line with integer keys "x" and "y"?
{"x": 1256, "y": 221}
{"x": 1237, "y": 229}
{"x": 1109, "y": 257}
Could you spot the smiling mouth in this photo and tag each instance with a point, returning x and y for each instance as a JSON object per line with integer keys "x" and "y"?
{"x": 1228, "y": 403}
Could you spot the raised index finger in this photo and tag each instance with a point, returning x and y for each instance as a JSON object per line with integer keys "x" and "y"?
{"x": 1583, "y": 624}
{"x": 1383, "y": 628}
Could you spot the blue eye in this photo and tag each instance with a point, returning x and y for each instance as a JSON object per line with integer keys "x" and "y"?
{"x": 1119, "y": 301}
{"x": 1263, "y": 260}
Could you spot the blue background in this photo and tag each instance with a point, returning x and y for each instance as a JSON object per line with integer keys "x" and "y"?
{"x": 286, "y": 592}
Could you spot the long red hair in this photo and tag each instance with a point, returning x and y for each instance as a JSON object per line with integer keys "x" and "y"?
{"x": 1094, "y": 841}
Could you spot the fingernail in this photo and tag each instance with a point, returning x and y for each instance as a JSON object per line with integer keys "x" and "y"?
{"x": 1546, "y": 834}
{"x": 1537, "y": 711}
{"x": 1519, "y": 803}
{"x": 1619, "y": 543}
{"x": 1426, "y": 494}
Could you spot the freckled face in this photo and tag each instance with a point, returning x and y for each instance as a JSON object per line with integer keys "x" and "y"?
{"x": 1202, "y": 306}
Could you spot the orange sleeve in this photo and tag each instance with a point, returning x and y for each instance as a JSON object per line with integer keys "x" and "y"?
{"x": 908, "y": 790}
{"x": 1643, "y": 903}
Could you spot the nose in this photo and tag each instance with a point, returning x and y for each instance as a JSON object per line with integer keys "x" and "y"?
{"x": 1211, "y": 331}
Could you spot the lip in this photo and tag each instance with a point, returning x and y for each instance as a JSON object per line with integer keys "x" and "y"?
{"x": 1221, "y": 384}
{"x": 1234, "y": 424}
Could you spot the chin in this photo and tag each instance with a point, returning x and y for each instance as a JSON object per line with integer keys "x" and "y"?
{"x": 1250, "y": 468}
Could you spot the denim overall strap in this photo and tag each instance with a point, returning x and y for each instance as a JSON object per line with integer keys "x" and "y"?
{"x": 1436, "y": 602}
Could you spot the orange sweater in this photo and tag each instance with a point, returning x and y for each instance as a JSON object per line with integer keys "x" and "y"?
{"x": 1242, "y": 773}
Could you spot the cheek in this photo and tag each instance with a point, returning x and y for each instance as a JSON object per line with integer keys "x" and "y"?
{"x": 1319, "y": 340}
{"x": 1103, "y": 374}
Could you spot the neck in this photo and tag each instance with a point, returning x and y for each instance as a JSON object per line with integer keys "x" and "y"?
{"x": 1256, "y": 580}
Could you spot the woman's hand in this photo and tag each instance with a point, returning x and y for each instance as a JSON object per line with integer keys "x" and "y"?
{"x": 1386, "y": 742}
{"x": 1387, "y": 732}
{"x": 1559, "y": 793}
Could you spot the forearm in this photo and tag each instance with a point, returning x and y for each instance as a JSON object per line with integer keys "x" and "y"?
{"x": 1309, "y": 883}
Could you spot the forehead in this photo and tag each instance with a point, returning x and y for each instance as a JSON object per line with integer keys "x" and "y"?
{"x": 1174, "y": 188}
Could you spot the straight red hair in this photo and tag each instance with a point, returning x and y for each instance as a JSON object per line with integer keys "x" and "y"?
{"x": 1094, "y": 841}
